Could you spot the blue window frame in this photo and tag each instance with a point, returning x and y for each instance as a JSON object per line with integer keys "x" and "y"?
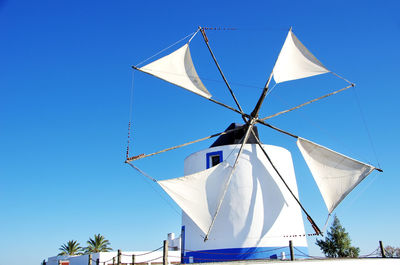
{"x": 213, "y": 158}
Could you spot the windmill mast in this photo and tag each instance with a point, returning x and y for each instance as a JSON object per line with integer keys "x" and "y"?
{"x": 257, "y": 108}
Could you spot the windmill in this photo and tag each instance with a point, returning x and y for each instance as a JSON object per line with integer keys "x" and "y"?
{"x": 211, "y": 194}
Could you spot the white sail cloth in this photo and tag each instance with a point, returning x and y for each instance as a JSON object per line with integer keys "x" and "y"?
{"x": 195, "y": 194}
{"x": 177, "y": 68}
{"x": 295, "y": 61}
{"x": 335, "y": 174}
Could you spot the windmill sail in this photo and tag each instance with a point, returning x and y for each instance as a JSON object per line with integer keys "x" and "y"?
{"x": 177, "y": 68}
{"x": 295, "y": 61}
{"x": 335, "y": 174}
{"x": 198, "y": 194}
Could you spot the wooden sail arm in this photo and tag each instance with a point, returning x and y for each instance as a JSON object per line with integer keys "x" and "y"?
{"x": 257, "y": 108}
{"x": 137, "y": 157}
{"x": 293, "y": 135}
{"x": 215, "y": 101}
{"x": 141, "y": 171}
{"x": 219, "y": 68}
{"x": 249, "y": 129}
{"x": 313, "y": 224}
{"x": 229, "y": 107}
{"x": 306, "y": 103}
{"x": 276, "y": 128}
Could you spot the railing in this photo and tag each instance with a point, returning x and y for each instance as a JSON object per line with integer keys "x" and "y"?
{"x": 295, "y": 252}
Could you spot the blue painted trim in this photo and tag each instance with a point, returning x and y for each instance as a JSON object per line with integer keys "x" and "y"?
{"x": 232, "y": 254}
{"x": 221, "y": 158}
{"x": 182, "y": 243}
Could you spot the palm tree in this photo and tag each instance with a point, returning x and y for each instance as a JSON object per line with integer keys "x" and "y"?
{"x": 71, "y": 248}
{"x": 98, "y": 244}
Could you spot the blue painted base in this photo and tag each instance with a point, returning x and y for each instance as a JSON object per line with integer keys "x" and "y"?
{"x": 232, "y": 254}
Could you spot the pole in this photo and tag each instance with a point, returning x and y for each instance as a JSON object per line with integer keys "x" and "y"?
{"x": 217, "y": 102}
{"x": 133, "y": 158}
{"x": 229, "y": 107}
{"x": 97, "y": 261}
{"x": 219, "y": 69}
{"x": 249, "y": 129}
{"x": 165, "y": 253}
{"x": 256, "y": 110}
{"x": 291, "y": 250}
{"x": 90, "y": 259}
{"x": 313, "y": 224}
{"x": 133, "y": 259}
{"x": 382, "y": 249}
{"x": 113, "y": 260}
{"x": 276, "y": 129}
{"x": 119, "y": 257}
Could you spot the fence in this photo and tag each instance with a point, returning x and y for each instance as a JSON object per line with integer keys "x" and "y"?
{"x": 162, "y": 256}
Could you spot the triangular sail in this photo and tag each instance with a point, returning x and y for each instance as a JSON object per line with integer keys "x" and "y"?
{"x": 335, "y": 174}
{"x": 295, "y": 61}
{"x": 177, "y": 68}
{"x": 198, "y": 194}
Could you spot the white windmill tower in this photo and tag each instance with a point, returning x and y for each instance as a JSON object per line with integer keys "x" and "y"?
{"x": 239, "y": 197}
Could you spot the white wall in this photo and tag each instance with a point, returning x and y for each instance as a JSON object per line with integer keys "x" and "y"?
{"x": 154, "y": 257}
{"x": 126, "y": 257}
{"x": 260, "y": 211}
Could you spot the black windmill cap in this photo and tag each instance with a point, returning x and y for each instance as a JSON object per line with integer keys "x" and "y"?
{"x": 236, "y": 137}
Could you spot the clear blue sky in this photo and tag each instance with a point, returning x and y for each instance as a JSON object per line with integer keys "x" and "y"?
{"x": 65, "y": 80}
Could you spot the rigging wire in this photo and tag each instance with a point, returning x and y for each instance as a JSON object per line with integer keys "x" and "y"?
{"x": 326, "y": 222}
{"x": 247, "y": 29}
{"x": 161, "y": 195}
{"x": 191, "y": 38}
{"x": 156, "y": 191}
{"x": 341, "y": 77}
{"x": 175, "y": 43}
{"x": 358, "y": 194}
{"x": 130, "y": 115}
{"x": 192, "y": 35}
{"x": 233, "y": 149}
{"x": 142, "y": 172}
{"x": 366, "y": 126}
{"x": 270, "y": 90}
{"x": 201, "y": 76}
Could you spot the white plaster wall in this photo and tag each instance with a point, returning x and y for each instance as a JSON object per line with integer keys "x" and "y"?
{"x": 126, "y": 257}
{"x": 259, "y": 211}
{"x": 154, "y": 257}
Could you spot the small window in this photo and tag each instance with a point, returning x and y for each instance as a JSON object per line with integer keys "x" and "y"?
{"x": 214, "y": 158}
